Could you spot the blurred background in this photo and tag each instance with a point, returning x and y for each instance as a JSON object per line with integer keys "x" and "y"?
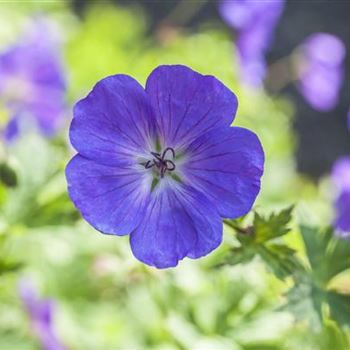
{"x": 64, "y": 285}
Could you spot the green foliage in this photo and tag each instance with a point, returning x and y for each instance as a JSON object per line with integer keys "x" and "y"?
{"x": 310, "y": 299}
{"x": 276, "y": 225}
{"x": 339, "y": 307}
{"x": 261, "y": 239}
{"x": 7, "y": 175}
{"x": 328, "y": 256}
{"x": 105, "y": 299}
{"x": 6, "y": 266}
{"x": 305, "y": 303}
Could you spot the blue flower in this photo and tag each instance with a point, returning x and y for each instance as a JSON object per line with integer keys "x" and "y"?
{"x": 341, "y": 179}
{"x": 162, "y": 163}
{"x": 32, "y": 85}
{"x": 40, "y": 312}
{"x": 321, "y": 70}
{"x": 255, "y": 22}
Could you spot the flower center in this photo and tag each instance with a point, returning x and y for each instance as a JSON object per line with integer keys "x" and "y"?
{"x": 161, "y": 162}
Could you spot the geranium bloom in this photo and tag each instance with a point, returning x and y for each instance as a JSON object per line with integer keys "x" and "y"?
{"x": 321, "y": 70}
{"x": 32, "y": 84}
{"x": 255, "y": 22}
{"x": 341, "y": 178}
{"x": 162, "y": 163}
{"x": 40, "y": 312}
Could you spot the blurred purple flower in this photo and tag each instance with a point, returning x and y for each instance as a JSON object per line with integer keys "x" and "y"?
{"x": 40, "y": 312}
{"x": 12, "y": 129}
{"x": 341, "y": 178}
{"x": 32, "y": 82}
{"x": 255, "y": 22}
{"x": 162, "y": 163}
{"x": 321, "y": 70}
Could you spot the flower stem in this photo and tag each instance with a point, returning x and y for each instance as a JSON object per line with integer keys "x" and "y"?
{"x": 238, "y": 229}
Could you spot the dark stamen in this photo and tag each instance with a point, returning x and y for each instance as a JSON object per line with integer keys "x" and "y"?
{"x": 168, "y": 149}
{"x": 172, "y": 165}
{"x": 149, "y": 165}
{"x": 156, "y": 155}
{"x": 161, "y": 162}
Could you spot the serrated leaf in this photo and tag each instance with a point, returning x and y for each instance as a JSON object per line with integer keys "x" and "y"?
{"x": 272, "y": 227}
{"x": 258, "y": 240}
{"x": 239, "y": 255}
{"x": 315, "y": 245}
{"x": 281, "y": 259}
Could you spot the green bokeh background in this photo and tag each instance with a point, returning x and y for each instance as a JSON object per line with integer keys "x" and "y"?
{"x": 105, "y": 298}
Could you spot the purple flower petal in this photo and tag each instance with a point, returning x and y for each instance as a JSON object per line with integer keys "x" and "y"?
{"x": 341, "y": 179}
{"x": 226, "y": 164}
{"x": 325, "y": 49}
{"x": 320, "y": 86}
{"x": 321, "y": 70}
{"x": 11, "y": 130}
{"x": 162, "y": 164}
{"x": 32, "y": 80}
{"x": 251, "y": 47}
{"x": 110, "y": 198}
{"x": 179, "y": 222}
{"x": 113, "y": 124}
{"x": 188, "y": 104}
{"x": 341, "y": 173}
{"x": 255, "y": 22}
{"x": 241, "y": 14}
{"x": 342, "y": 220}
{"x": 40, "y": 312}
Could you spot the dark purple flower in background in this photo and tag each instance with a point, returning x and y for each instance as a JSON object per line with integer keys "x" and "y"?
{"x": 40, "y": 312}
{"x": 255, "y": 22}
{"x": 32, "y": 83}
{"x": 321, "y": 70}
{"x": 162, "y": 163}
{"x": 341, "y": 178}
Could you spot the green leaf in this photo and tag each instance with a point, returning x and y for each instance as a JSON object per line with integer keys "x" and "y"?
{"x": 239, "y": 255}
{"x": 262, "y": 347}
{"x": 328, "y": 255}
{"x": 339, "y": 307}
{"x": 281, "y": 259}
{"x": 259, "y": 240}
{"x": 7, "y": 175}
{"x": 308, "y": 302}
{"x": 315, "y": 245}
{"x": 333, "y": 337}
{"x": 305, "y": 303}
{"x": 338, "y": 256}
{"x": 37, "y": 162}
{"x": 276, "y": 225}
{"x": 9, "y": 266}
